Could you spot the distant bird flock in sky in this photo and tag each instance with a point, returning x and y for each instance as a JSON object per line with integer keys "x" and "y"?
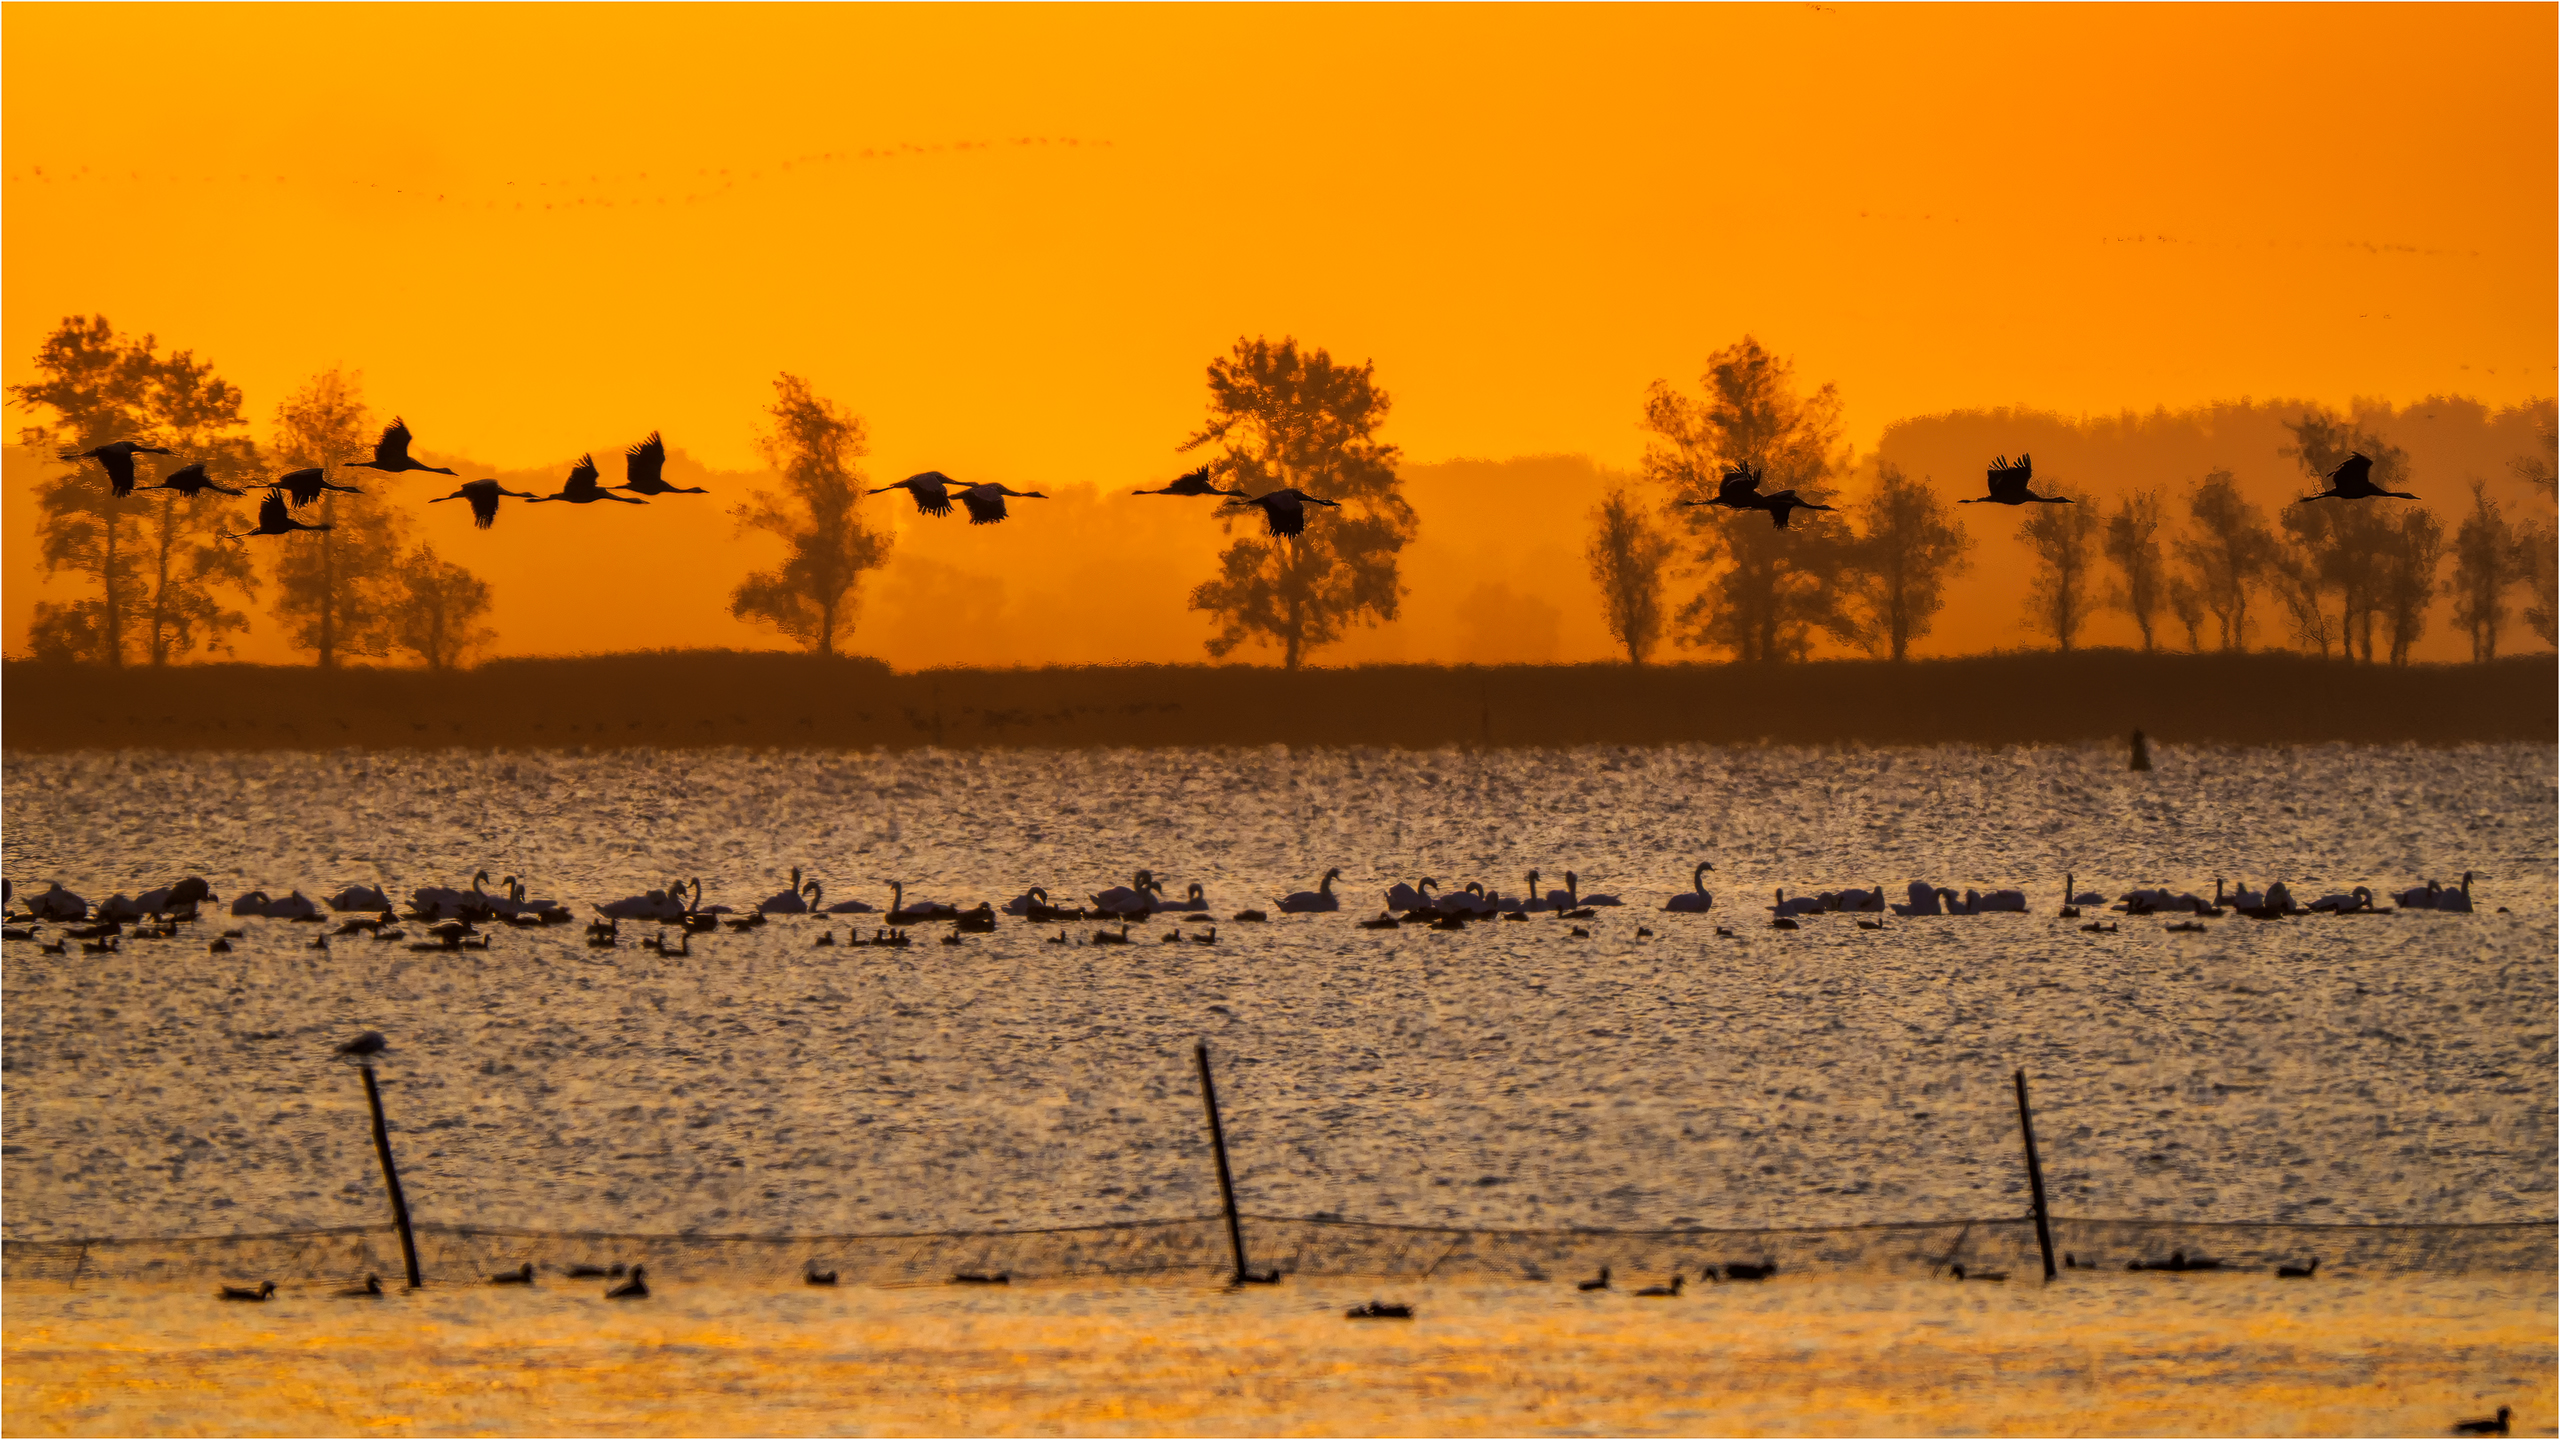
{"x": 1284, "y": 511}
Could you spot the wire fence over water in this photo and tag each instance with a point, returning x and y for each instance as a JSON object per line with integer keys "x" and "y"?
{"x": 1198, "y": 1248}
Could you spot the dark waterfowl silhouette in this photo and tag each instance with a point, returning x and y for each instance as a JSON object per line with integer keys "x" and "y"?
{"x": 520, "y": 1276}
{"x": 308, "y": 485}
{"x": 2496, "y": 1425}
{"x": 116, "y": 458}
{"x": 1105, "y": 937}
{"x": 1745, "y": 1271}
{"x": 1662, "y": 1292}
{"x": 820, "y": 1277}
{"x": 1248, "y": 915}
{"x": 257, "y": 1296}
{"x": 2176, "y": 1264}
{"x": 1379, "y": 1310}
{"x": 985, "y": 503}
{"x": 635, "y": 1288}
{"x": 581, "y": 487}
{"x": 972, "y": 1277}
{"x": 191, "y": 482}
{"x": 1384, "y": 921}
{"x": 483, "y": 497}
{"x": 595, "y": 1272}
{"x": 391, "y": 453}
{"x": 1207, "y": 937}
{"x": 1962, "y": 1274}
{"x": 2299, "y": 1272}
{"x": 931, "y": 491}
{"x": 2008, "y": 486}
{"x": 372, "y": 1286}
{"x": 275, "y": 518}
{"x": 1596, "y": 1282}
{"x": 2353, "y": 480}
{"x": 1196, "y": 482}
{"x": 1284, "y": 512}
{"x": 642, "y": 467}
{"x": 1306, "y": 902}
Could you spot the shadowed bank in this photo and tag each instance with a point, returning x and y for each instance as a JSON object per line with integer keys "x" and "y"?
{"x": 707, "y": 698}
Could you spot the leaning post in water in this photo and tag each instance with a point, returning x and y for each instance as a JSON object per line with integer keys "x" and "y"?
{"x": 1218, "y": 1143}
{"x": 2035, "y": 1174}
{"x": 391, "y": 1178}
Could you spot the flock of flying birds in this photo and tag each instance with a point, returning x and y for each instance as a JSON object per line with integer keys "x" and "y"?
{"x": 1284, "y": 511}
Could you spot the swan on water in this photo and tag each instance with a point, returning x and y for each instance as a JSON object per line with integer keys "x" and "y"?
{"x": 1194, "y": 901}
{"x": 791, "y": 901}
{"x": 1697, "y": 901}
{"x": 1135, "y": 900}
{"x": 1313, "y": 901}
{"x": 1924, "y": 901}
{"x": 360, "y": 897}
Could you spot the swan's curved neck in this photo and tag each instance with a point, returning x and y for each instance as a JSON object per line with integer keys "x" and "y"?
{"x": 1698, "y": 878}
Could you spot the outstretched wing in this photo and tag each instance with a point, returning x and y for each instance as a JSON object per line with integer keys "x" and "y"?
{"x": 482, "y": 495}
{"x": 1739, "y": 486}
{"x": 644, "y": 462}
{"x": 1285, "y": 514}
{"x": 303, "y": 485}
{"x": 2006, "y": 477}
{"x": 273, "y": 513}
{"x": 393, "y": 447}
{"x": 582, "y": 479}
{"x": 932, "y": 490}
{"x": 189, "y": 480}
{"x": 2353, "y": 473}
{"x": 984, "y": 508}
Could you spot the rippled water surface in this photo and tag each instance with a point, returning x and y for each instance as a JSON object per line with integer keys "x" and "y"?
{"x": 2394, "y": 1067}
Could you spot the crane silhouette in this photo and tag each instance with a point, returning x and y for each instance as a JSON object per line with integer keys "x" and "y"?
{"x": 116, "y": 457}
{"x": 483, "y": 495}
{"x": 1196, "y": 482}
{"x": 2008, "y": 484}
{"x": 581, "y": 488}
{"x": 985, "y": 503}
{"x": 275, "y": 518}
{"x": 1784, "y": 503}
{"x": 1283, "y": 510}
{"x": 2353, "y": 480}
{"x": 391, "y": 452}
{"x": 190, "y": 482}
{"x": 305, "y": 485}
{"x": 643, "y": 464}
{"x": 932, "y": 491}
{"x": 1739, "y": 490}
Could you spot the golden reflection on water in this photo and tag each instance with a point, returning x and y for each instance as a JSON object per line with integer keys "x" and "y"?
{"x": 2110, "y": 1354}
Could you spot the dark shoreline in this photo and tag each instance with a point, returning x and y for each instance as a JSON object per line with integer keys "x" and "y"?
{"x": 707, "y": 698}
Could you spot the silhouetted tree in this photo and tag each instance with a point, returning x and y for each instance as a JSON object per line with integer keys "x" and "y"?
{"x": 1768, "y": 590}
{"x": 2537, "y": 467}
{"x": 2489, "y": 559}
{"x": 2187, "y": 603}
{"x": 2226, "y": 551}
{"x": 1910, "y": 549}
{"x": 1629, "y": 556}
{"x": 2133, "y": 544}
{"x": 2412, "y": 557}
{"x": 1290, "y": 419}
{"x": 814, "y": 446}
{"x": 2064, "y": 539}
{"x": 2295, "y": 579}
{"x": 334, "y": 588}
{"x": 436, "y": 608}
{"x": 155, "y": 555}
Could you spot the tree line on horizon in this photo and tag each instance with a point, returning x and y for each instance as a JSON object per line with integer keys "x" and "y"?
{"x": 2352, "y": 580}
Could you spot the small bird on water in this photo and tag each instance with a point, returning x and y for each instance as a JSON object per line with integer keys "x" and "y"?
{"x": 365, "y": 1046}
{"x": 2497, "y": 1426}
{"x": 635, "y": 1288}
{"x": 523, "y": 1275}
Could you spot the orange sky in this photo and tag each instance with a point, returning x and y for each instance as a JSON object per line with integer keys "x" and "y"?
{"x": 1011, "y": 238}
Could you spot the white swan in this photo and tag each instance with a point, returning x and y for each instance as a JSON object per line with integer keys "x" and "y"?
{"x": 120, "y": 907}
{"x": 1801, "y": 905}
{"x": 1698, "y": 901}
{"x": 1320, "y": 899}
{"x": 1999, "y": 900}
{"x": 1402, "y": 897}
{"x": 2456, "y": 901}
{"x": 667, "y": 904}
{"x": 2353, "y": 902}
{"x": 57, "y": 903}
{"x": 790, "y": 902}
{"x": 253, "y": 903}
{"x": 292, "y": 907}
{"x": 1472, "y": 901}
{"x": 360, "y": 897}
{"x": 1857, "y": 901}
{"x": 1021, "y": 904}
{"x": 1133, "y": 901}
{"x": 1924, "y": 900}
{"x": 1194, "y": 901}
